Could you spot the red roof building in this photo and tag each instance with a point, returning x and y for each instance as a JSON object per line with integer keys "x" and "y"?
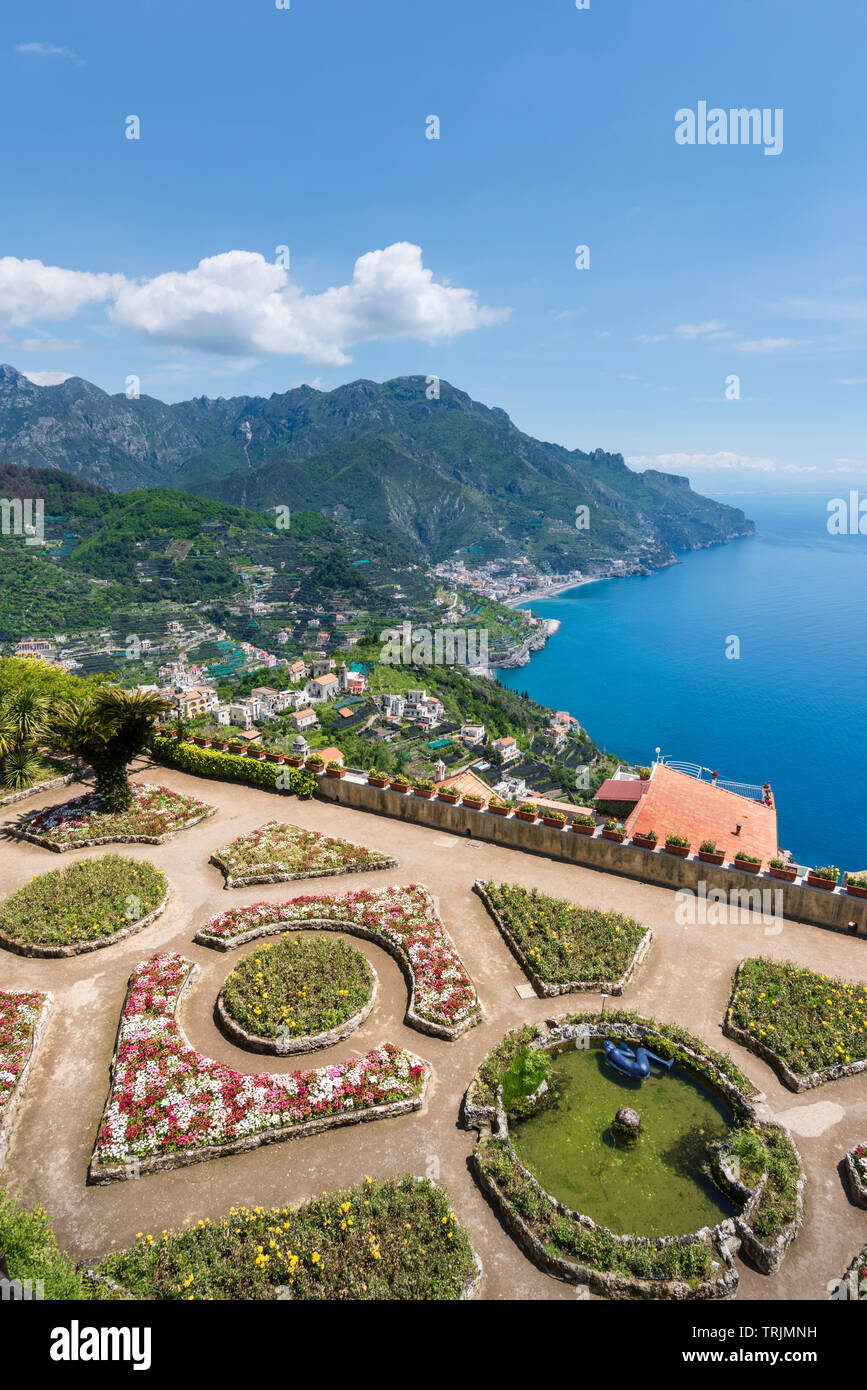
{"x": 675, "y": 803}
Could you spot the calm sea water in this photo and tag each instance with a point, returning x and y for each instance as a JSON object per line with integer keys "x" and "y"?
{"x": 642, "y": 663}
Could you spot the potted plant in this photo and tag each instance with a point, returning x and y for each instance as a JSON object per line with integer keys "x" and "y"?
{"x": 399, "y": 783}
{"x": 556, "y": 819}
{"x": 474, "y": 800}
{"x": 527, "y": 811}
{"x": 424, "y": 787}
{"x": 315, "y": 762}
{"x": 235, "y": 746}
{"x": 677, "y": 844}
{"x": 273, "y": 755}
{"x": 750, "y": 862}
{"x": 781, "y": 868}
{"x": 709, "y": 853}
{"x": 825, "y": 877}
{"x": 499, "y": 806}
{"x": 614, "y": 830}
{"x": 450, "y": 795}
{"x": 645, "y": 839}
{"x": 255, "y": 750}
{"x": 644, "y": 774}
{"x": 583, "y": 824}
{"x": 856, "y": 885}
{"x": 334, "y": 768}
{"x": 295, "y": 759}
{"x": 219, "y": 744}
{"x": 376, "y": 778}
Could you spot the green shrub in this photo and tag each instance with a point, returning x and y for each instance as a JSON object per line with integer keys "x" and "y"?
{"x": 32, "y": 1252}
{"x": 524, "y": 1075}
{"x": 207, "y": 762}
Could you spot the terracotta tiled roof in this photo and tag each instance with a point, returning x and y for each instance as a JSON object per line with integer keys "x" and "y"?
{"x": 466, "y": 781}
{"x": 676, "y": 803}
{"x": 621, "y": 789}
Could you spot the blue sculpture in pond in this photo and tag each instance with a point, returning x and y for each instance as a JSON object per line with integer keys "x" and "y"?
{"x": 631, "y": 1063}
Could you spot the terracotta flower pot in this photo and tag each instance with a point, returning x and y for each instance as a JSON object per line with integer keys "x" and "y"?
{"x": 554, "y": 822}
{"x": 274, "y": 757}
{"x": 335, "y": 772}
{"x": 855, "y": 892}
{"x": 707, "y": 858}
{"x": 312, "y": 766}
{"x": 618, "y": 836}
{"x": 747, "y": 866}
{"x": 680, "y": 850}
{"x": 294, "y": 761}
{"x": 787, "y": 875}
{"x": 530, "y": 816}
{"x": 426, "y": 793}
{"x": 644, "y": 842}
{"x": 498, "y": 810}
{"x": 583, "y": 829}
{"x": 377, "y": 781}
{"x": 399, "y": 787}
{"x": 200, "y": 741}
{"x": 475, "y": 805}
{"x": 451, "y": 797}
{"x": 829, "y": 884}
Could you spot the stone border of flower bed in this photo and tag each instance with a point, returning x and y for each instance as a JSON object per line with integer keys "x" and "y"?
{"x": 856, "y": 1180}
{"x": 413, "y": 1019}
{"x": 35, "y": 951}
{"x": 547, "y": 989}
{"x": 789, "y": 1078}
{"x": 492, "y": 1122}
{"x": 100, "y": 1174}
{"x": 850, "y": 1281}
{"x": 287, "y": 1047}
{"x": 66, "y": 780}
{"x": 9, "y": 1111}
{"x": 45, "y": 843}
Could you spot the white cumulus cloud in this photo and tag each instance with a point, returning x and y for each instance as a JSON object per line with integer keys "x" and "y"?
{"x": 31, "y": 292}
{"x": 238, "y": 302}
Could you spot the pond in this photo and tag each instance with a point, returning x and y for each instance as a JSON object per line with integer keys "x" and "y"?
{"x": 652, "y": 1187}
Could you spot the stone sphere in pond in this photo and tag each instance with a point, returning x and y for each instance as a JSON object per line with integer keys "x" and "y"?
{"x": 627, "y": 1121}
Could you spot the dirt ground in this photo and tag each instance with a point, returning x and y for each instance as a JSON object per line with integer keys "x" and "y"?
{"x": 686, "y": 979}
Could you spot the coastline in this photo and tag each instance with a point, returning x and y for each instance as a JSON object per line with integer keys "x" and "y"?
{"x": 532, "y": 595}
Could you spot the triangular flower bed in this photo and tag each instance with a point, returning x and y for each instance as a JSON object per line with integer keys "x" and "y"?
{"x": 22, "y": 1018}
{"x": 170, "y": 1106}
{"x": 403, "y": 920}
{"x": 276, "y": 853}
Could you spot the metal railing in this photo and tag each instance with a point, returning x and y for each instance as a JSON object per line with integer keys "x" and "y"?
{"x": 706, "y": 774}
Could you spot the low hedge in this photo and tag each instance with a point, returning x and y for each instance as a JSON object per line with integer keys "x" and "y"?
{"x": 228, "y": 767}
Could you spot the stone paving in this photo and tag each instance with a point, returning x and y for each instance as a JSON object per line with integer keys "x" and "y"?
{"x": 686, "y": 979}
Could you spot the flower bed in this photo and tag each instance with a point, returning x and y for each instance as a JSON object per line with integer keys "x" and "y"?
{"x": 22, "y": 1018}
{"x": 571, "y": 1245}
{"x": 169, "y": 1105}
{"x": 853, "y": 1285}
{"x": 404, "y": 920}
{"x": 396, "y": 1240}
{"x": 297, "y": 995}
{"x": 561, "y": 946}
{"x": 809, "y": 1027}
{"x": 155, "y": 815}
{"x": 232, "y": 767}
{"x": 90, "y": 904}
{"x": 276, "y": 853}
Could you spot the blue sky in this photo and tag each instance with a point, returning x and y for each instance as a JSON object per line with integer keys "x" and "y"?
{"x": 305, "y": 128}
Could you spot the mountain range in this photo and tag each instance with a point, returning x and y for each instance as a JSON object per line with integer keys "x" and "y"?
{"x": 433, "y": 476}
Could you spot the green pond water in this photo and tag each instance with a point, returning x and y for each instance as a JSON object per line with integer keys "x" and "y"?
{"x": 653, "y": 1187}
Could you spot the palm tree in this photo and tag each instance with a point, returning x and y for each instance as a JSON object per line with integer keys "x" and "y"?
{"x": 107, "y": 729}
{"x": 23, "y": 715}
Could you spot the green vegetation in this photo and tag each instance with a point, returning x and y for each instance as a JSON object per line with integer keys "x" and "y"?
{"x": 91, "y": 899}
{"x": 523, "y": 1077}
{"x": 32, "y": 1252}
{"x": 298, "y": 987}
{"x": 562, "y": 942}
{"x": 396, "y": 1240}
{"x": 108, "y": 729}
{"x": 778, "y": 1205}
{"x": 809, "y": 1021}
{"x": 228, "y": 767}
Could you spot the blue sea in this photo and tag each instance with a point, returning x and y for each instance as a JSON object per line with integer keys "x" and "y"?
{"x": 641, "y": 662}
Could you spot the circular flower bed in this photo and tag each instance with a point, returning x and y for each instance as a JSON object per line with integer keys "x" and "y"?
{"x": 92, "y": 903}
{"x": 297, "y": 994}
{"x": 156, "y": 814}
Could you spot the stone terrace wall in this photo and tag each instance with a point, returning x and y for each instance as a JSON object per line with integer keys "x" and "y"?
{"x": 801, "y": 903}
